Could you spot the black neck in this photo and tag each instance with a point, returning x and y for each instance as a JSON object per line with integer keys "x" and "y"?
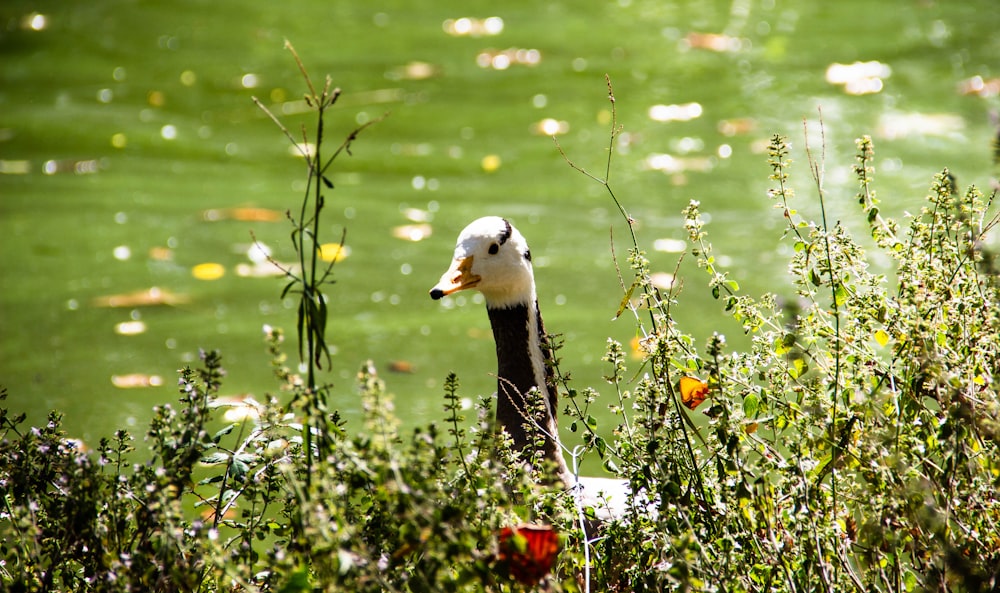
{"x": 516, "y": 376}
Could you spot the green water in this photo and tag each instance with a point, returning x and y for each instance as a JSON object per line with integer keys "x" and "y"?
{"x": 122, "y": 122}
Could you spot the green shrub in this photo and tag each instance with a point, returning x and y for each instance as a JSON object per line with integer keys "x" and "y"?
{"x": 853, "y": 446}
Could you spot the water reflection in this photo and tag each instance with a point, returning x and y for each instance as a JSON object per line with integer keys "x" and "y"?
{"x": 131, "y": 136}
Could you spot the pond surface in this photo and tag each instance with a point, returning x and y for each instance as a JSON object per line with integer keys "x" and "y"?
{"x": 134, "y": 167}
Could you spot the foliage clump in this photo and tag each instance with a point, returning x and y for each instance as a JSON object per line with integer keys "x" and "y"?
{"x": 853, "y": 445}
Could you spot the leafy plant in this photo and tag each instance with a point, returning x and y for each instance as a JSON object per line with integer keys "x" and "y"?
{"x": 313, "y": 273}
{"x": 852, "y": 446}
{"x": 835, "y": 451}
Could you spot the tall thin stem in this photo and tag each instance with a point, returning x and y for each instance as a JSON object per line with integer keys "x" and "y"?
{"x": 308, "y": 281}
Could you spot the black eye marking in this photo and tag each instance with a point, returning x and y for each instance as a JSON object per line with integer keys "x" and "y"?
{"x": 494, "y": 248}
{"x": 507, "y": 230}
{"x": 527, "y": 255}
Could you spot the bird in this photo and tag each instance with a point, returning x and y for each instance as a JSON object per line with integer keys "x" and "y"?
{"x": 492, "y": 256}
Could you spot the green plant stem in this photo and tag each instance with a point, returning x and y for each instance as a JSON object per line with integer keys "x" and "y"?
{"x": 817, "y": 172}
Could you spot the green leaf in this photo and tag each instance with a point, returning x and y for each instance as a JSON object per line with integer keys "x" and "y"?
{"x": 300, "y": 325}
{"x": 238, "y": 470}
{"x": 245, "y": 457}
{"x": 840, "y": 294}
{"x": 298, "y": 582}
{"x": 751, "y": 405}
{"x": 601, "y": 445}
{"x": 625, "y": 300}
{"x": 215, "y": 458}
{"x": 788, "y": 340}
{"x": 226, "y": 430}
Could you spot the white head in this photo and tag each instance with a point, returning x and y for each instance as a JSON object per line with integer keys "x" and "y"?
{"x": 492, "y": 257}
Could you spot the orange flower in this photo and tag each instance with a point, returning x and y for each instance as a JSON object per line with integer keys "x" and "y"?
{"x": 693, "y": 392}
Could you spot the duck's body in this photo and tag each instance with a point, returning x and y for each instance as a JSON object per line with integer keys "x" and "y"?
{"x": 493, "y": 257}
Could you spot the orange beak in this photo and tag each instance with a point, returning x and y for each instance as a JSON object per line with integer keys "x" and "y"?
{"x": 458, "y": 277}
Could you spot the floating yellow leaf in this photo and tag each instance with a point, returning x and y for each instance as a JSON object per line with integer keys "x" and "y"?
{"x": 881, "y": 337}
{"x": 491, "y": 163}
{"x": 208, "y": 271}
{"x": 333, "y": 252}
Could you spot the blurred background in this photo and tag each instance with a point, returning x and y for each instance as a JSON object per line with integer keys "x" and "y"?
{"x": 134, "y": 167}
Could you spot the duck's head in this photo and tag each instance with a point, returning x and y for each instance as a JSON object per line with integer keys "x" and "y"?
{"x": 492, "y": 257}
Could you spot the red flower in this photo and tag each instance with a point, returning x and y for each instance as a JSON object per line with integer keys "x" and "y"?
{"x": 528, "y": 551}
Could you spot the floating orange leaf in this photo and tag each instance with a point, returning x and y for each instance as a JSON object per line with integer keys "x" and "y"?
{"x": 149, "y": 297}
{"x": 135, "y": 380}
{"x": 528, "y": 551}
{"x": 978, "y": 86}
{"x": 712, "y": 42}
{"x": 693, "y": 392}
{"x": 400, "y": 366}
{"x": 245, "y": 214}
{"x": 161, "y": 253}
